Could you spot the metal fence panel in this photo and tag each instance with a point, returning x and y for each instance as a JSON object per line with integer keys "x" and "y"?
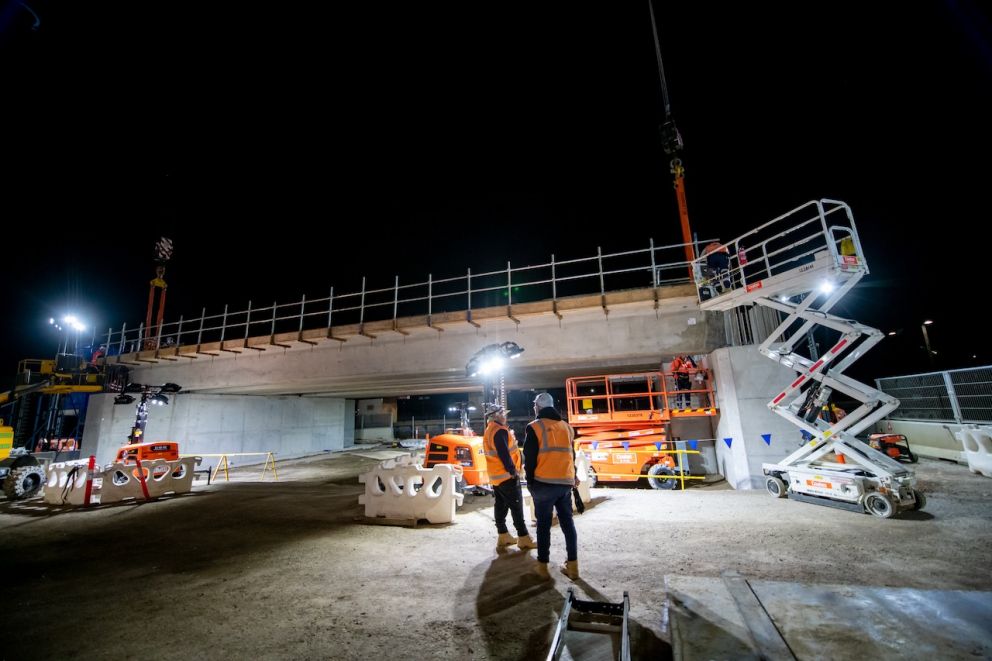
{"x": 962, "y": 396}
{"x": 973, "y": 389}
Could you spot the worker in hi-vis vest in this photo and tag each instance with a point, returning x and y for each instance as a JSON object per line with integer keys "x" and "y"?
{"x": 503, "y": 466}
{"x": 549, "y": 461}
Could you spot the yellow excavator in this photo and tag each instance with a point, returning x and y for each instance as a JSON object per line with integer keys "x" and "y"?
{"x": 35, "y": 407}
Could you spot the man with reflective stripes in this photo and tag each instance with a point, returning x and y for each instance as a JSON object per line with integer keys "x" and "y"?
{"x": 549, "y": 461}
{"x": 503, "y": 466}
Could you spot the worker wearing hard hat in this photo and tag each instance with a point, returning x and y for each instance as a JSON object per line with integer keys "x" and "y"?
{"x": 717, "y": 265}
{"x": 681, "y": 368}
{"x": 503, "y": 466}
{"x": 549, "y": 460}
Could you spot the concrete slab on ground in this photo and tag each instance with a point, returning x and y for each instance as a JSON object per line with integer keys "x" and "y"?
{"x": 707, "y": 620}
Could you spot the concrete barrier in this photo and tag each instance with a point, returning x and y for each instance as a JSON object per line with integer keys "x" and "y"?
{"x": 402, "y": 489}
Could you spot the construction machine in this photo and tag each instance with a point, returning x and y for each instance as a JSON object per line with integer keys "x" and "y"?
{"x": 460, "y": 446}
{"x": 801, "y": 264}
{"x": 36, "y": 407}
{"x": 623, "y": 423}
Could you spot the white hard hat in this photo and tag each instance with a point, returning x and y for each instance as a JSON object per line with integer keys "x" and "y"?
{"x": 544, "y": 400}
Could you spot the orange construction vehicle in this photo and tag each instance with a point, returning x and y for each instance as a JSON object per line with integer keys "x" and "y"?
{"x": 168, "y": 450}
{"x": 460, "y": 447}
{"x": 622, "y": 423}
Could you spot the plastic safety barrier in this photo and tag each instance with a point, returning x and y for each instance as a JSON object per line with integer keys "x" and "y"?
{"x": 403, "y": 489}
{"x": 977, "y": 444}
{"x": 122, "y": 481}
{"x": 65, "y": 483}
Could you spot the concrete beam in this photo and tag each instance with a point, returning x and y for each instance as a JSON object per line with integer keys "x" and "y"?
{"x": 638, "y": 332}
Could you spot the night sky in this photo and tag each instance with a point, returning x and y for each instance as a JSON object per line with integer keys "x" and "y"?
{"x": 479, "y": 134}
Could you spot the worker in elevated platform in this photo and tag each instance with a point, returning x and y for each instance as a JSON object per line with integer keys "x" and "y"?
{"x": 682, "y": 368}
{"x": 717, "y": 269}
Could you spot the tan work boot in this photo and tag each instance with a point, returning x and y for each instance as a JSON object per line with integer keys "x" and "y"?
{"x": 505, "y": 539}
{"x": 526, "y": 542}
{"x": 541, "y": 569}
{"x": 571, "y": 569}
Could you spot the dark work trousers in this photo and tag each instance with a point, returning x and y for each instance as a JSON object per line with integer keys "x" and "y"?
{"x": 683, "y": 399}
{"x": 550, "y": 498}
{"x": 508, "y": 499}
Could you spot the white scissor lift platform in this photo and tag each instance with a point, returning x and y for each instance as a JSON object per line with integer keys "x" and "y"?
{"x": 801, "y": 264}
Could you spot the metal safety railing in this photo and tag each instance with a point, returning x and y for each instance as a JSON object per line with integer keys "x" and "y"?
{"x": 654, "y": 266}
{"x": 781, "y": 245}
{"x": 961, "y": 396}
{"x": 633, "y": 398}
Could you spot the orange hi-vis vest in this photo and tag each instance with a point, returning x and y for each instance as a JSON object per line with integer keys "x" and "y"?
{"x": 555, "y": 463}
{"x": 494, "y": 466}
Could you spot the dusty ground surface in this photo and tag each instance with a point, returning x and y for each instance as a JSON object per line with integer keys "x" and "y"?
{"x": 255, "y": 569}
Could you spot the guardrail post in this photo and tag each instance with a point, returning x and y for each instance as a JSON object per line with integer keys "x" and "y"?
{"x": 654, "y": 271}
{"x": 468, "y": 286}
{"x": 602, "y": 281}
{"x": 953, "y": 396}
{"x": 223, "y": 327}
{"x": 554, "y": 290}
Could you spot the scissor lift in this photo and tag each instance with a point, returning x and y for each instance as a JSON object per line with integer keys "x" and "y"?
{"x": 801, "y": 264}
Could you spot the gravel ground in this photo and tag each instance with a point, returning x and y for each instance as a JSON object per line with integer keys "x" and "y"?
{"x": 252, "y": 569}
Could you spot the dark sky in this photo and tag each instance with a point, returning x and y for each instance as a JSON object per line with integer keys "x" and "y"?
{"x": 477, "y": 134}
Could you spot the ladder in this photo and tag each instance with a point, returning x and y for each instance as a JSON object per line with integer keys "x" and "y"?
{"x": 592, "y": 630}
{"x": 802, "y": 264}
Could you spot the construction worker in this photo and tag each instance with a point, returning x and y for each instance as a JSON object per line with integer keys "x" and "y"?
{"x": 503, "y": 466}
{"x": 94, "y": 365}
{"x": 549, "y": 461}
{"x": 682, "y": 367}
{"x": 717, "y": 268}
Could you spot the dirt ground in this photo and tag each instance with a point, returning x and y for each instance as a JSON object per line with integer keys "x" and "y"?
{"x": 253, "y": 569}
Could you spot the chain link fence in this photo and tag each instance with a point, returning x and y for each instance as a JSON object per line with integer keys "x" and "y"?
{"x": 962, "y": 396}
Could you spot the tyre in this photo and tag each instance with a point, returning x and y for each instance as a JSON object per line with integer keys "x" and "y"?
{"x": 879, "y": 505}
{"x": 775, "y": 486}
{"x": 661, "y": 477}
{"x": 921, "y": 500}
{"x": 24, "y": 482}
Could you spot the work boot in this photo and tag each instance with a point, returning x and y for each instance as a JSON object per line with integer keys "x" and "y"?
{"x": 525, "y": 542}
{"x": 571, "y": 569}
{"x": 505, "y": 539}
{"x": 541, "y": 569}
